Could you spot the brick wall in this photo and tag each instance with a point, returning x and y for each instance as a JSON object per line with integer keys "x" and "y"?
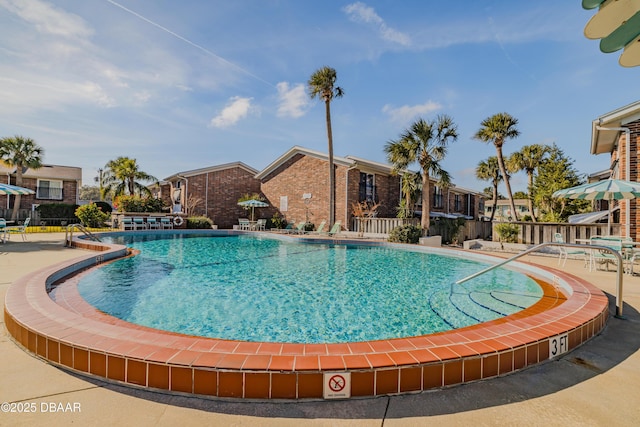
{"x": 634, "y": 175}
{"x": 218, "y": 193}
{"x": 309, "y": 175}
{"x": 69, "y": 192}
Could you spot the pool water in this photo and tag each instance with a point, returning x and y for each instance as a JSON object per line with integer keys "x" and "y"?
{"x": 272, "y": 290}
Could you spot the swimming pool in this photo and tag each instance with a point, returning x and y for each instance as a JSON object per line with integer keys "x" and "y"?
{"x": 274, "y": 290}
{"x": 74, "y": 335}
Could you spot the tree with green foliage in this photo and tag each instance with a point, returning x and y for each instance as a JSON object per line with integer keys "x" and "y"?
{"x": 497, "y": 129}
{"x": 121, "y": 177}
{"x": 322, "y": 85}
{"x": 489, "y": 170}
{"x": 411, "y": 186}
{"x": 556, "y": 172}
{"x": 22, "y": 153}
{"x": 528, "y": 159}
{"x": 424, "y": 143}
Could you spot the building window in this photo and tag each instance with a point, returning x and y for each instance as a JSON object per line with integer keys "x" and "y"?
{"x": 438, "y": 199}
{"x": 457, "y": 203}
{"x": 48, "y": 189}
{"x": 367, "y": 188}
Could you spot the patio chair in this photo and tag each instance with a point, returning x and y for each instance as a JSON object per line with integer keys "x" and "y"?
{"x": 153, "y": 223}
{"x": 290, "y": 226}
{"x": 17, "y": 229}
{"x": 565, "y": 252}
{"x": 337, "y": 226}
{"x": 244, "y": 224}
{"x": 261, "y": 224}
{"x": 604, "y": 257}
{"x": 318, "y": 230}
{"x": 138, "y": 223}
{"x": 165, "y": 222}
{"x": 3, "y": 229}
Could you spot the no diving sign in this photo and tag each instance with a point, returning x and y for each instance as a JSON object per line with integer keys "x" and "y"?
{"x": 337, "y": 385}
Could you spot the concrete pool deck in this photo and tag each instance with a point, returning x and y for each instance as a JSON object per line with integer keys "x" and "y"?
{"x": 595, "y": 384}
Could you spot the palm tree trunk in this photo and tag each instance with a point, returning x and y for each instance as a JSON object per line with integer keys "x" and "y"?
{"x": 18, "y": 198}
{"x": 332, "y": 172}
{"x": 495, "y": 201}
{"x": 530, "y": 191}
{"x": 503, "y": 171}
{"x": 425, "y": 222}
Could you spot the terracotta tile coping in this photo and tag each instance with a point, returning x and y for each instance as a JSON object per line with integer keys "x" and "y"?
{"x": 71, "y": 333}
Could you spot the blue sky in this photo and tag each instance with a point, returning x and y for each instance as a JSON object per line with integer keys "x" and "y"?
{"x": 187, "y": 84}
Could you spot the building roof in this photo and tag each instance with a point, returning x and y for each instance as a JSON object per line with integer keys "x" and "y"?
{"x": 69, "y": 173}
{"x": 348, "y": 161}
{"x": 605, "y": 130}
{"x": 209, "y": 169}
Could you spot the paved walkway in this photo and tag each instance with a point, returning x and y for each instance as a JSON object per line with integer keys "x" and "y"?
{"x": 597, "y": 384}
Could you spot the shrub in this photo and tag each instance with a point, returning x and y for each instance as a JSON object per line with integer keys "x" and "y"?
{"x": 138, "y": 204}
{"x": 57, "y": 211}
{"x": 406, "y": 234}
{"x": 507, "y": 232}
{"x": 277, "y": 221}
{"x": 91, "y": 215}
{"x": 199, "y": 222}
{"x": 309, "y": 226}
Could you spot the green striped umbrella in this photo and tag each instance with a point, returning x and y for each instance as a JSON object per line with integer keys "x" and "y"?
{"x": 14, "y": 190}
{"x": 607, "y": 189}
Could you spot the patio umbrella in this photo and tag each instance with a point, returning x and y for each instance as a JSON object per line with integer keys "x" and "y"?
{"x": 14, "y": 190}
{"x": 607, "y": 189}
{"x": 253, "y": 203}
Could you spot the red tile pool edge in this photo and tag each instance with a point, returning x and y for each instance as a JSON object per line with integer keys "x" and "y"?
{"x": 92, "y": 343}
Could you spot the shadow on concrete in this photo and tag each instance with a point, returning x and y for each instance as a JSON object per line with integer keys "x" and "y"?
{"x": 616, "y": 343}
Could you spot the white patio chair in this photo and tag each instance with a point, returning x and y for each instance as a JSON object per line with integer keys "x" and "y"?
{"x": 17, "y": 229}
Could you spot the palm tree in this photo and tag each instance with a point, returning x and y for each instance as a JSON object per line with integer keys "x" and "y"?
{"x": 22, "y": 153}
{"x": 489, "y": 170}
{"x": 121, "y": 176}
{"x": 321, "y": 85}
{"x": 411, "y": 183}
{"x": 425, "y": 143}
{"x": 528, "y": 159}
{"x": 497, "y": 129}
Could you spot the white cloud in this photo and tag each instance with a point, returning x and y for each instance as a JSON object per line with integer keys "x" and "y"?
{"x": 293, "y": 101}
{"x": 408, "y": 112}
{"x": 238, "y": 108}
{"x": 360, "y": 12}
{"x": 47, "y": 19}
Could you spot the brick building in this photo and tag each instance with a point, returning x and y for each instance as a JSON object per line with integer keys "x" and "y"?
{"x": 296, "y": 186}
{"x": 51, "y": 183}
{"x": 617, "y": 133}
{"x": 213, "y": 192}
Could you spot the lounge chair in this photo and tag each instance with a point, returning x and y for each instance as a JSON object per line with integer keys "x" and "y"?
{"x": 165, "y": 222}
{"x": 318, "y": 230}
{"x": 127, "y": 223}
{"x": 564, "y": 252}
{"x": 138, "y": 223}
{"x": 287, "y": 229}
{"x": 153, "y": 223}
{"x": 337, "y": 226}
{"x": 17, "y": 229}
